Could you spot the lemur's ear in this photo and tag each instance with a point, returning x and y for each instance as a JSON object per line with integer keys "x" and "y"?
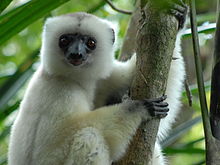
{"x": 113, "y": 36}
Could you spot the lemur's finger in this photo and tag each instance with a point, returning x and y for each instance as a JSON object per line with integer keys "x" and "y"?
{"x": 161, "y": 104}
{"x": 159, "y": 109}
{"x": 160, "y": 114}
{"x": 159, "y": 99}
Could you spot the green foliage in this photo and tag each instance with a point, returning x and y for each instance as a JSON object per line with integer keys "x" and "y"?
{"x": 14, "y": 83}
{"x": 17, "y": 19}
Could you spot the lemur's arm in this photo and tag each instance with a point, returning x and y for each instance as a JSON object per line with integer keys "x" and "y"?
{"x": 110, "y": 91}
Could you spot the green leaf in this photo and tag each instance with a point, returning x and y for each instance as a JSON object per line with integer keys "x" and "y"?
{"x": 13, "y": 84}
{"x": 4, "y": 4}
{"x": 4, "y": 113}
{"x": 16, "y": 20}
{"x": 179, "y": 131}
{"x": 191, "y": 143}
{"x": 210, "y": 28}
{"x": 202, "y": 162}
{"x": 13, "y": 87}
{"x": 184, "y": 150}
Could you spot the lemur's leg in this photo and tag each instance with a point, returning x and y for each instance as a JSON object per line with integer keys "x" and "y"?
{"x": 117, "y": 124}
{"x": 88, "y": 148}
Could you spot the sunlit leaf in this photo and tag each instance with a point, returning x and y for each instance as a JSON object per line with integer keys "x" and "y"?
{"x": 14, "y": 21}
{"x": 4, "y": 4}
{"x": 209, "y": 28}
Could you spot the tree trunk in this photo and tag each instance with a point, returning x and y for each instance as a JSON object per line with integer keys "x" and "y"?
{"x": 155, "y": 44}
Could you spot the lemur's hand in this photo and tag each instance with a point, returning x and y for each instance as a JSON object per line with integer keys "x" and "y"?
{"x": 147, "y": 108}
{"x": 157, "y": 107}
{"x": 179, "y": 9}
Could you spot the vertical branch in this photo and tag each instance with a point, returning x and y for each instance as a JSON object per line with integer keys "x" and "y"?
{"x": 212, "y": 144}
{"x": 198, "y": 64}
{"x": 155, "y": 44}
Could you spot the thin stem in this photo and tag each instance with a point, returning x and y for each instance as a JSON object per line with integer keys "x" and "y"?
{"x": 200, "y": 81}
{"x": 188, "y": 92}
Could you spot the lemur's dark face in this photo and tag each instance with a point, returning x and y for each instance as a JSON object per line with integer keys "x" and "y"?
{"x": 77, "y": 47}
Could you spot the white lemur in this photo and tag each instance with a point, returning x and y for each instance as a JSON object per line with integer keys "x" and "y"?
{"x": 63, "y": 119}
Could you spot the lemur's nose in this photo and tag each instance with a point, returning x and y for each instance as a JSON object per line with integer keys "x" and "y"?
{"x": 76, "y": 56}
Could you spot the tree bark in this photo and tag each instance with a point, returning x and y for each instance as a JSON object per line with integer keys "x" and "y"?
{"x": 155, "y": 44}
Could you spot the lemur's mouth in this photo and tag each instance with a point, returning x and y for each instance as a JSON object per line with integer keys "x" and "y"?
{"x": 75, "y": 62}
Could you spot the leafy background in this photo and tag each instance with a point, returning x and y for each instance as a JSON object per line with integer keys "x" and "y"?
{"x": 21, "y": 23}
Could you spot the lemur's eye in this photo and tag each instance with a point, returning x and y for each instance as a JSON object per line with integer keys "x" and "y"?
{"x": 64, "y": 41}
{"x": 91, "y": 43}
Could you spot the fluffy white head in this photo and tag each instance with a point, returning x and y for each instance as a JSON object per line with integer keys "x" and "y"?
{"x": 99, "y": 64}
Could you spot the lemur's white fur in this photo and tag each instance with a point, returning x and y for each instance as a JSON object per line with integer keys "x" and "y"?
{"x": 58, "y": 122}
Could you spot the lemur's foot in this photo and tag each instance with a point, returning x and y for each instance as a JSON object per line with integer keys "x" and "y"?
{"x": 179, "y": 9}
{"x": 157, "y": 107}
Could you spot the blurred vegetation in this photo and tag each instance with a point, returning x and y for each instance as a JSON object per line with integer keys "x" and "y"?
{"x": 21, "y": 24}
